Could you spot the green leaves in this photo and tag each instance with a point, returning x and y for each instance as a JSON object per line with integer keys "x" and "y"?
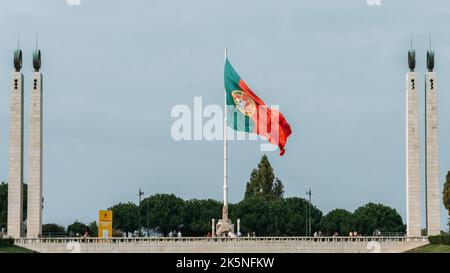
{"x": 280, "y": 217}
{"x": 125, "y": 216}
{"x": 77, "y": 228}
{"x": 446, "y": 193}
{"x": 337, "y": 221}
{"x": 162, "y": 212}
{"x": 371, "y": 217}
{"x": 263, "y": 182}
{"x": 52, "y": 229}
{"x": 4, "y": 203}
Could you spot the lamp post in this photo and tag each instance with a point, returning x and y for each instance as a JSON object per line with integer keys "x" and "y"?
{"x": 140, "y": 194}
{"x": 308, "y": 214}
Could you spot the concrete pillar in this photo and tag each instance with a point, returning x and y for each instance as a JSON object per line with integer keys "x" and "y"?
{"x": 413, "y": 213}
{"x": 15, "y": 159}
{"x": 35, "y": 158}
{"x": 433, "y": 194}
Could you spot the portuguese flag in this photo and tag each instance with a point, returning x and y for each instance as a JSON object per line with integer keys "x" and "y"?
{"x": 247, "y": 112}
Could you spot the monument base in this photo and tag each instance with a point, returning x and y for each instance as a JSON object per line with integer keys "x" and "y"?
{"x": 224, "y": 225}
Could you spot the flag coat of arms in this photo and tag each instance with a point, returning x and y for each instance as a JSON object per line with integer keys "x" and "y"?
{"x": 248, "y": 113}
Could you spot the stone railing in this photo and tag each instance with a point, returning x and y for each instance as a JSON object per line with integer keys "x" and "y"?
{"x": 221, "y": 239}
{"x": 224, "y": 244}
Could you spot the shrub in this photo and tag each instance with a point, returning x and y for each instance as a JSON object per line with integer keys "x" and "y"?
{"x": 446, "y": 239}
{"x": 6, "y": 242}
{"x": 439, "y": 240}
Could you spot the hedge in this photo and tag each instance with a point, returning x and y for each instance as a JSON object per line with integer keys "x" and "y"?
{"x": 6, "y": 242}
{"x": 439, "y": 240}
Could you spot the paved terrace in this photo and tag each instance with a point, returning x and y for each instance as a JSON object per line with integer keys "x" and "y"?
{"x": 224, "y": 245}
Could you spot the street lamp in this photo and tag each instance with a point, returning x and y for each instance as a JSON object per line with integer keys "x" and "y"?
{"x": 140, "y": 194}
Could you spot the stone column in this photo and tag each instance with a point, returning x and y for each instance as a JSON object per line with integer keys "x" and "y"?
{"x": 15, "y": 160}
{"x": 433, "y": 194}
{"x": 35, "y": 158}
{"x": 413, "y": 213}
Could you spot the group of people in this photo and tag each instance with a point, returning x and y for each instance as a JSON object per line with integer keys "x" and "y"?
{"x": 175, "y": 234}
{"x": 84, "y": 235}
{"x": 318, "y": 234}
{"x": 336, "y": 234}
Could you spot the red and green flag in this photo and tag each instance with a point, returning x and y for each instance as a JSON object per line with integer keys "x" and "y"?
{"x": 248, "y": 113}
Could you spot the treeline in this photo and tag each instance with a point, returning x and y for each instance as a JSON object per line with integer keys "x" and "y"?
{"x": 282, "y": 217}
{"x": 264, "y": 210}
{"x": 75, "y": 229}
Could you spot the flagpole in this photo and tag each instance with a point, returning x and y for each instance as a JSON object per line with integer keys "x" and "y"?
{"x": 225, "y": 148}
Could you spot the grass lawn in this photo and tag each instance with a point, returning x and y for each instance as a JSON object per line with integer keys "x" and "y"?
{"x": 431, "y": 249}
{"x": 14, "y": 249}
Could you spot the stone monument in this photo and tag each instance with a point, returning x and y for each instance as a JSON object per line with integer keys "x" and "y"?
{"x": 35, "y": 198}
{"x": 15, "y": 159}
{"x": 413, "y": 219}
{"x": 433, "y": 194}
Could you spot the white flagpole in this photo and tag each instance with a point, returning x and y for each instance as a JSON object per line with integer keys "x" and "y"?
{"x": 225, "y": 174}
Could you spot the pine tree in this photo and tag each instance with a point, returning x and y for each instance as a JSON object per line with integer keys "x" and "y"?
{"x": 278, "y": 188}
{"x": 263, "y": 182}
{"x": 446, "y": 195}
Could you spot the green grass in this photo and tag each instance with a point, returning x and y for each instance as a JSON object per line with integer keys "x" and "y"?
{"x": 14, "y": 249}
{"x": 431, "y": 249}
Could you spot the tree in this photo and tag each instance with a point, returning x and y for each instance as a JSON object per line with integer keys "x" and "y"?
{"x": 4, "y": 203}
{"x": 163, "y": 212}
{"x": 296, "y": 216}
{"x": 338, "y": 220}
{"x": 285, "y": 217}
{"x": 125, "y": 216}
{"x": 277, "y": 218}
{"x": 53, "y": 230}
{"x": 263, "y": 182}
{"x": 198, "y": 215}
{"x": 253, "y": 212}
{"x": 264, "y": 217}
{"x": 93, "y": 229}
{"x": 371, "y": 217}
{"x": 278, "y": 189}
{"x": 446, "y": 195}
{"x": 76, "y": 228}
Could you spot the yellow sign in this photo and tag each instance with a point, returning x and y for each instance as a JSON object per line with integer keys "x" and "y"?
{"x": 104, "y": 223}
{"x": 105, "y": 215}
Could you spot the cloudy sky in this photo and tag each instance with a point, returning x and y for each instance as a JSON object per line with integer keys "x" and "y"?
{"x": 113, "y": 70}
